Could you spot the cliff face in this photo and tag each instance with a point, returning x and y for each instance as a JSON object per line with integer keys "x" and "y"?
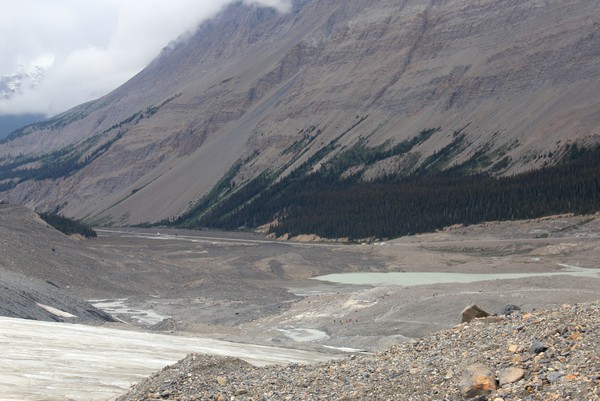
{"x": 520, "y": 80}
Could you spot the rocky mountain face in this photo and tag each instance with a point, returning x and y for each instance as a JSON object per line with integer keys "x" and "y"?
{"x": 515, "y": 81}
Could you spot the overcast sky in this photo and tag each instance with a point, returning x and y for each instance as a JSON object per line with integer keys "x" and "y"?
{"x": 89, "y": 47}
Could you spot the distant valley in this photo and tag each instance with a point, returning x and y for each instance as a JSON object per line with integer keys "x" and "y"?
{"x": 11, "y": 123}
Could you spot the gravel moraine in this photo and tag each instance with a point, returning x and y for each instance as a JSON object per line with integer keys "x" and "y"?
{"x": 542, "y": 355}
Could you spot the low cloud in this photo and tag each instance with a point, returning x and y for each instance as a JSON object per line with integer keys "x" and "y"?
{"x": 87, "y": 48}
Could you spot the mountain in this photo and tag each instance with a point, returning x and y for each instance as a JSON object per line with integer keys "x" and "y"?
{"x": 23, "y": 78}
{"x": 10, "y": 123}
{"x": 363, "y": 89}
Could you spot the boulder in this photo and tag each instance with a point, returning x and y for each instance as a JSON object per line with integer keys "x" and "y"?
{"x": 472, "y": 312}
{"x": 477, "y": 381}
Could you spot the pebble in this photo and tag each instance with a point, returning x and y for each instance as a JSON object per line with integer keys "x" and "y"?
{"x": 553, "y": 376}
{"x": 537, "y": 347}
{"x": 430, "y": 368}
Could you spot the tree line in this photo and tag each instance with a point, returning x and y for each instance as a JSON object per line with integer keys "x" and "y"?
{"x": 324, "y": 204}
{"x": 67, "y": 225}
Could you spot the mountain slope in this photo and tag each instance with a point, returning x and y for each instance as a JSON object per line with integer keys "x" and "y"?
{"x": 254, "y": 90}
{"x": 45, "y": 275}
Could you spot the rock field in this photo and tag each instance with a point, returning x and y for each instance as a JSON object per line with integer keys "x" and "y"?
{"x": 542, "y": 355}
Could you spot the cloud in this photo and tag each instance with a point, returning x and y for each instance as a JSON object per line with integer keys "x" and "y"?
{"x": 88, "y": 48}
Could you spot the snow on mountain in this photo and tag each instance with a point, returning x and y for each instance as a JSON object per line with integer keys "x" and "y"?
{"x": 24, "y": 77}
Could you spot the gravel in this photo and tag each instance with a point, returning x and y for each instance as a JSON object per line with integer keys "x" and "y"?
{"x": 29, "y": 298}
{"x": 431, "y": 368}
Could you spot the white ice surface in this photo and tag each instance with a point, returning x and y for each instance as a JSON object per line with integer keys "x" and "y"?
{"x": 58, "y": 361}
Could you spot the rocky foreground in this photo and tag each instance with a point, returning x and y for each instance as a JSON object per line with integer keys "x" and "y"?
{"x": 542, "y": 355}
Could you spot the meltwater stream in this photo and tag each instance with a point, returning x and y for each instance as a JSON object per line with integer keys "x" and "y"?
{"x": 409, "y": 279}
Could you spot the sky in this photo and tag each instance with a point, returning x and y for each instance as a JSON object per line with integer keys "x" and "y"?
{"x": 89, "y": 47}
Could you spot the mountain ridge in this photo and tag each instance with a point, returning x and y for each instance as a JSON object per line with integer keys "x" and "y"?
{"x": 266, "y": 92}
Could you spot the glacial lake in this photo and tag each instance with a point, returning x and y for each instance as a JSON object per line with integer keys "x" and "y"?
{"x": 408, "y": 279}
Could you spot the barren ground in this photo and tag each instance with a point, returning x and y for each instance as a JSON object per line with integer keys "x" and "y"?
{"x": 241, "y": 287}
{"x": 244, "y": 288}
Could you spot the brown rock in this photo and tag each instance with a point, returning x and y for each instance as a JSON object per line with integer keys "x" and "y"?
{"x": 478, "y": 380}
{"x": 511, "y": 375}
{"x": 472, "y": 312}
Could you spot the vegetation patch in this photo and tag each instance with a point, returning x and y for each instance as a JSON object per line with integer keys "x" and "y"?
{"x": 67, "y": 161}
{"x": 67, "y": 225}
{"x": 323, "y": 203}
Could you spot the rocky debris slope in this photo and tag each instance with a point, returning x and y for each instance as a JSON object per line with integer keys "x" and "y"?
{"x": 44, "y": 274}
{"x": 31, "y": 247}
{"x": 29, "y": 298}
{"x": 543, "y": 355}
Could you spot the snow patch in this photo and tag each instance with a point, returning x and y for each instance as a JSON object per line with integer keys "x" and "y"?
{"x": 119, "y": 308}
{"x": 303, "y": 335}
{"x": 54, "y": 311}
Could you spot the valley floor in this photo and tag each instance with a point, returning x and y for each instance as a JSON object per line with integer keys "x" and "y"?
{"x": 243, "y": 288}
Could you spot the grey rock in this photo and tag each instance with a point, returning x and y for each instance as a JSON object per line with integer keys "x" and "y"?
{"x": 509, "y": 309}
{"x": 436, "y": 364}
{"x": 554, "y": 376}
{"x": 510, "y": 375}
{"x": 538, "y": 347}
